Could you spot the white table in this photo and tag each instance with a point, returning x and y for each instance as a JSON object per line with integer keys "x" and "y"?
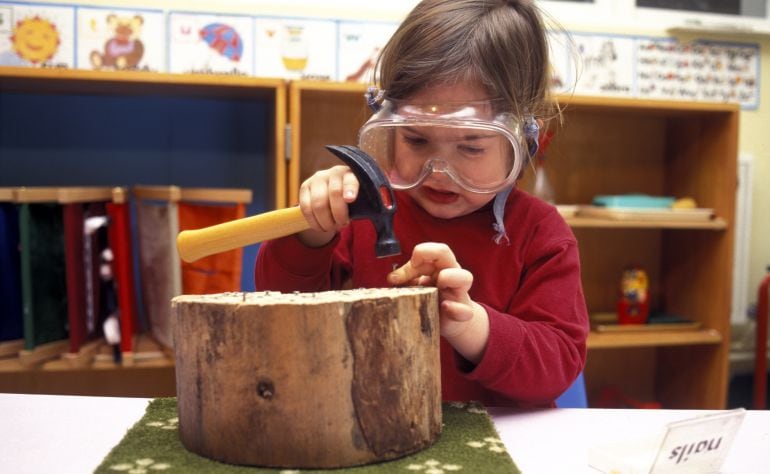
{"x": 551, "y": 441}
{"x": 66, "y": 434}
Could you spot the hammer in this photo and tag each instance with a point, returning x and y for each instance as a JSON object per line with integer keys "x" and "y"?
{"x": 375, "y": 202}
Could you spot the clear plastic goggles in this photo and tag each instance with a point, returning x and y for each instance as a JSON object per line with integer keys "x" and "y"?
{"x": 478, "y": 148}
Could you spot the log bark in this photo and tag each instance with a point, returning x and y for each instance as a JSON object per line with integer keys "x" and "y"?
{"x": 308, "y": 380}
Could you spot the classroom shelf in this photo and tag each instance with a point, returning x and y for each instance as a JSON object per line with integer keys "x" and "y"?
{"x": 600, "y": 146}
{"x": 713, "y": 224}
{"x": 607, "y": 146}
{"x": 661, "y": 338}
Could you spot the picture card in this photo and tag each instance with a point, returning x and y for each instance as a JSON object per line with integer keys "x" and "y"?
{"x": 208, "y": 43}
{"x": 36, "y": 35}
{"x": 116, "y": 39}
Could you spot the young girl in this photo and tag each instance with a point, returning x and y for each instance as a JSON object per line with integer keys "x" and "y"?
{"x": 464, "y": 85}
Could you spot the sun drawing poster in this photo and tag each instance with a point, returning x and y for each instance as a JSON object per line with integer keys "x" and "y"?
{"x": 115, "y": 39}
{"x": 36, "y": 35}
{"x": 201, "y": 43}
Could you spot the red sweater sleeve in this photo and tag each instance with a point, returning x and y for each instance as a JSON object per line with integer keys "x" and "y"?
{"x": 287, "y": 265}
{"x": 536, "y": 346}
{"x": 530, "y": 287}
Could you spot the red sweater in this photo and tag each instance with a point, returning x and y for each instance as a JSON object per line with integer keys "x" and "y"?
{"x": 530, "y": 288}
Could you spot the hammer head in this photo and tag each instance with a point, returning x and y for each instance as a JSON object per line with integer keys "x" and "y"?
{"x": 375, "y": 200}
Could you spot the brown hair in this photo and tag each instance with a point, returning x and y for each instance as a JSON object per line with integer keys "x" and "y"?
{"x": 502, "y": 44}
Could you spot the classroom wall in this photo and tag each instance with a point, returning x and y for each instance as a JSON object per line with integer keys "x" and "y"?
{"x": 754, "y": 129}
{"x": 755, "y": 140}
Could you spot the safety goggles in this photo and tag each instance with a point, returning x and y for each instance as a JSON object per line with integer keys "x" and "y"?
{"x": 477, "y": 147}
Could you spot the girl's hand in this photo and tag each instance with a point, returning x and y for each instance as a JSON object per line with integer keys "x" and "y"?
{"x": 464, "y": 323}
{"x": 324, "y": 199}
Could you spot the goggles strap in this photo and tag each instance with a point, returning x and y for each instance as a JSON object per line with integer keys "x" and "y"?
{"x": 374, "y": 97}
{"x": 498, "y": 210}
{"x": 532, "y": 134}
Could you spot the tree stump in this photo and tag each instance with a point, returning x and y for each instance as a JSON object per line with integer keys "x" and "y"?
{"x": 308, "y": 380}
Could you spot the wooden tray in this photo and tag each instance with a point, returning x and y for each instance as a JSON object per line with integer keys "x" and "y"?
{"x": 621, "y": 214}
{"x": 614, "y": 327}
{"x": 567, "y": 210}
{"x": 608, "y": 322}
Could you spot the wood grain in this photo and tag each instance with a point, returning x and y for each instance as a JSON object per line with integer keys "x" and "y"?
{"x": 319, "y": 380}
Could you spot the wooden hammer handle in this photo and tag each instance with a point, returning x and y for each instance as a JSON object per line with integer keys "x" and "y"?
{"x": 195, "y": 244}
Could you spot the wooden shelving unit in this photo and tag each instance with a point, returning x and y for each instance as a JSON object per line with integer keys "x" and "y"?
{"x": 600, "y": 146}
{"x": 321, "y": 113}
{"x": 147, "y": 87}
{"x": 616, "y": 146}
{"x": 149, "y": 373}
{"x": 130, "y": 128}
{"x": 613, "y": 146}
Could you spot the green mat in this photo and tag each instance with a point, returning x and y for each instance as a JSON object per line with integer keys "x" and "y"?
{"x": 468, "y": 443}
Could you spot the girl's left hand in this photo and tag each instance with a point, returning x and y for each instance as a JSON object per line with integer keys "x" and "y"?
{"x": 464, "y": 323}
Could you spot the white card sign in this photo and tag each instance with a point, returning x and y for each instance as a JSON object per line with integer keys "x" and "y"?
{"x": 698, "y": 445}
{"x": 694, "y": 446}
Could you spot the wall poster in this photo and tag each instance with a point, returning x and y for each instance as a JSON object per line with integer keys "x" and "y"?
{"x": 37, "y": 35}
{"x": 115, "y": 39}
{"x": 208, "y": 43}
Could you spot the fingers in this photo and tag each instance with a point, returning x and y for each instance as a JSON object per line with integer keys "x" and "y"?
{"x": 457, "y": 308}
{"x": 463, "y": 322}
{"x": 427, "y": 260}
{"x": 349, "y": 187}
{"x": 453, "y": 284}
{"x": 324, "y": 198}
{"x": 456, "y": 311}
{"x": 435, "y": 264}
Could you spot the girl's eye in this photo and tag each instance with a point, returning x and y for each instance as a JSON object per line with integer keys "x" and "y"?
{"x": 471, "y": 150}
{"x": 415, "y": 140}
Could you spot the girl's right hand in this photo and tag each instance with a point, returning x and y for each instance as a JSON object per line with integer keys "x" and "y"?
{"x": 324, "y": 199}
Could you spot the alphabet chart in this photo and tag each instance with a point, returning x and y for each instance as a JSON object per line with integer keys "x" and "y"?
{"x": 702, "y": 71}
{"x": 660, "y": 68}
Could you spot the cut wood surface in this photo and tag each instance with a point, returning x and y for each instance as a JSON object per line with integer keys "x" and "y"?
{"x": 308, "y": 380}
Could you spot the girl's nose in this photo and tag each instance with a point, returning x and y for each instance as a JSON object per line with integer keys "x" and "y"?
{"x": 438, "y": 166}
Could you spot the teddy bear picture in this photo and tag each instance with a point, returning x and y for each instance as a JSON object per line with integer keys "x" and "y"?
{"x": 124, "y": 50}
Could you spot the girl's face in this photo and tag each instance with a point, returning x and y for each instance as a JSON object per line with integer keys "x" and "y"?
{"x": 483, "y": 155}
